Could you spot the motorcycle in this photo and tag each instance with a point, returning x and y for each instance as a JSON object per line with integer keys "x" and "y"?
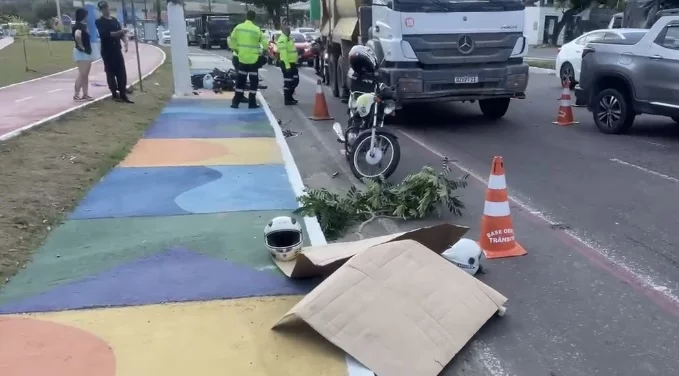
{"x": 365, "y": 139}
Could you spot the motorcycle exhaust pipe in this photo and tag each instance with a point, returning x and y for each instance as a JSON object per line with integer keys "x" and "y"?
{"x": 338, "y": 131}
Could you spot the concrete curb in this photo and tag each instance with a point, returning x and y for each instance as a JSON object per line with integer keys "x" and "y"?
{"x": 17, "y": 132}
{"x": 541, "y": 70}
{"x": 6, "y": 41}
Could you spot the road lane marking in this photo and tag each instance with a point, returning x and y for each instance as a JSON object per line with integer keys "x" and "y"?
{"x": 640, "y": 281}
{"x": 646, "y": 170}
{"x": 55, "y": 90}
{"x": 22, "y": 99}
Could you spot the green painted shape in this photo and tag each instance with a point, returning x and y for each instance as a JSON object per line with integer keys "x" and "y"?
{"x": 82, "y": 248}
{"x": 261, "y": 128}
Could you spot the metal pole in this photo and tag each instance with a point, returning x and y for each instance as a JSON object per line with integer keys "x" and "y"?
{"x": 136, "y": 47}
{"x": 58, "y": 10}
{"x": 209, "y": 6}
{"x": 146, "y": 11}
{"x": 122, "y": 4}
{"x": 287, "y": 12}
{"x": 83, "y": 3}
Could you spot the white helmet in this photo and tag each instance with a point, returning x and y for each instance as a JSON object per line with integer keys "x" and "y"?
{"x": 466, "y": 254}
{"x": 283, "y": 237}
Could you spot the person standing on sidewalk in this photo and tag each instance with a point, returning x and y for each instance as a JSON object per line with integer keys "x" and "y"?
{"x": 111, "y": 33}
{"x": 247, "y": 42}
{"x": 82, "y": 54}
{"x": 288, "y": 59}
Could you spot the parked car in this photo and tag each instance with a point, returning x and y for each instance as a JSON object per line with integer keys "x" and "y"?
{"x": 569, "y": 58}
{"x": 623, "y": 78}
{"x": 303, "y": 30}
{"x": 312, "y": 36}
{"x": 165, "y": 37}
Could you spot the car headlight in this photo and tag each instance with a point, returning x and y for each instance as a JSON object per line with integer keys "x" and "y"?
{"x": 325, "y": 56}
{"x": 306, "y": 49}
{"x": 389, "y": 107}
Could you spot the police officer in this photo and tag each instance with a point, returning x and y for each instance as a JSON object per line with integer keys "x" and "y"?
{"x": 247, "y": 42}
{"x": 288, "y": 59}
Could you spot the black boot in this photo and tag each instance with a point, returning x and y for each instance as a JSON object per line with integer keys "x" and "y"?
{"x": 237, "y": 98}
{"x": 288, "y": 100}
{"x": 252, "y": 101}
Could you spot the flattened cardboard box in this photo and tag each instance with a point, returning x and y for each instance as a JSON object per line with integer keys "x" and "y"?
{"x": 325, "y": 259}
{"x": 399, "y": 309}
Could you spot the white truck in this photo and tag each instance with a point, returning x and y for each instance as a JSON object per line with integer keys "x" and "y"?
{"x": 432, "y": 50}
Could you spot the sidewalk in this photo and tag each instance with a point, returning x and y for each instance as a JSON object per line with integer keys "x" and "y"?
{"x": 32, "y": 102}
{"x": 169, "y": 246}
{"x": 5, "y": 41}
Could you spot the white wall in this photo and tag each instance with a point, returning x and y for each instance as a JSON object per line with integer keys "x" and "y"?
{"x": 534, "y": 23}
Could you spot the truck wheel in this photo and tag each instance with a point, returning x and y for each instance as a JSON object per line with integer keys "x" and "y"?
{"x": 332, "y": 73}
{"x": 494, "y": 108}
{"x": 612, "y": 112}
{"x": 342, "y": 89}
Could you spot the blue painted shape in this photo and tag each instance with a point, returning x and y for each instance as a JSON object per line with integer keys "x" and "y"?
{"x": 164, "y": 191}
{"x": 210, "y": 126}
{"x": 226, "y": 110}
{"x": 177, "y": 275}
{"x": 241, "y": 188}
{"x": 203, "y": 102}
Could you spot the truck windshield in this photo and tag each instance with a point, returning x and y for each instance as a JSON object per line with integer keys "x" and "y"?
{"x": 442, "y": 6}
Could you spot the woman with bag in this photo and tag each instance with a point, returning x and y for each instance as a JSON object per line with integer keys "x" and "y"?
{"x": 82, "y": 54}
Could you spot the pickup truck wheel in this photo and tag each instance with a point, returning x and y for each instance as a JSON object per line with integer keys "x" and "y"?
{"x": 612, "y": 113}
{"x": 494, "y": 108}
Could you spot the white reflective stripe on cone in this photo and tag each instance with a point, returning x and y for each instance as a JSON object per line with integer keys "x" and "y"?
{"x": 497, "y": 182}
{"x": 496, "y": 209}
{"x": 318, "y": 89}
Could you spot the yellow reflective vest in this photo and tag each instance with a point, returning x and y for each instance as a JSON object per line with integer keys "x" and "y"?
{"x": 287, "y": 50}
{"x": 247, "y": 42}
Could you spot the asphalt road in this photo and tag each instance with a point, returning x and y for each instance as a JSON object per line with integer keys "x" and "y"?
{"x": 596, "y": 294}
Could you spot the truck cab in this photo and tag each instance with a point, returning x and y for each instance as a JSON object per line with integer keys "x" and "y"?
{"x": 431, "y": 50}
{"x": 214, "y": 29}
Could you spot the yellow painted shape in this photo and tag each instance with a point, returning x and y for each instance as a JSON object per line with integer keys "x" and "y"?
{"x": 206, "y": 94}
{"x": 226, "y": 337}
{"x": 203, "y": 152}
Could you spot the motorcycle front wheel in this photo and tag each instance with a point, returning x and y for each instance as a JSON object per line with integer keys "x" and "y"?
{"x": 383, "y": 160}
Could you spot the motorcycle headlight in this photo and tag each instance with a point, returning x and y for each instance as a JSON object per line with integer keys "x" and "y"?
{"x": 389, "y": 107}
{"x": 306, "y": 49}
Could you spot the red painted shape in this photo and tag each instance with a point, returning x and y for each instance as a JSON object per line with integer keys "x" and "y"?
{"x": 31, "y": 347}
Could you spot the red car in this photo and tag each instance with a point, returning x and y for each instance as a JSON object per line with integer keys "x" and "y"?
{"x": 301, "y": 44}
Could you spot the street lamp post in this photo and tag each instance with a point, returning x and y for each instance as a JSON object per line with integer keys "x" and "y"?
{"x": 58, "y": 10}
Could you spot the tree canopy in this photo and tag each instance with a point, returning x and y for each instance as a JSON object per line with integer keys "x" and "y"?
{"x": 273, "y": 8}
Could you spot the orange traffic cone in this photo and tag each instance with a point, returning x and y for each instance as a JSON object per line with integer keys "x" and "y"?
{"x": 320, "y": 105}
{"x": 497, "y": 232}
{"x": 565, "y": 115}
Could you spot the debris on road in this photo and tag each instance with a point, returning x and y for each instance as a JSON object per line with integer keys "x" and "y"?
{"x": 399, "y": 308}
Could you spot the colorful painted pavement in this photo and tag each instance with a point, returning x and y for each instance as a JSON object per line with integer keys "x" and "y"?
{"x": 161, "y": 268}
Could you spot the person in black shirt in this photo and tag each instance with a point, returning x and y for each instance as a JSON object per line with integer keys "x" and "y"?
{"x": 82, "y": 54}
{"x": 111, "y": 34}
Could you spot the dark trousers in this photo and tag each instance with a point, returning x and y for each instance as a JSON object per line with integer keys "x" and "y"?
{"x": 245, "y": 72}
{"x": 290, "y": 81}
{"x": 116, "y": 75}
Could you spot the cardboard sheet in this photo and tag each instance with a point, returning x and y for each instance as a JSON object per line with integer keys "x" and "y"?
{"x": 399, "y": 309}
{"x": 325, "y": 259}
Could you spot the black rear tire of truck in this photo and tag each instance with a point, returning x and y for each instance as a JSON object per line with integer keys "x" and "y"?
{"x": 342, "y": 78}
{"x": 494, "y": 108}
{"x": 332, "y": 72}
{"x": 612, "y": 112}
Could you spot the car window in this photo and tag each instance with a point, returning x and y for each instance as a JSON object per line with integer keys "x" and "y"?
{"x": 634, "y": 36}
{"x": 669, "y": 38}
{"x": 595, "y": 36}
{"x": 612, "y": 36}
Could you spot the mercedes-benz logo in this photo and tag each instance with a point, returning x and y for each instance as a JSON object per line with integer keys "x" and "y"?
{"x": 465, "y": 44}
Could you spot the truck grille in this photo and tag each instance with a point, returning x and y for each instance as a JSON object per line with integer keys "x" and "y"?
{"x": 435, "y": 49}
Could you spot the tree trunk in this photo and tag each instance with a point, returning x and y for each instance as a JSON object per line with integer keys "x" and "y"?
{"x": 275, "y": 15}
{"x": 567, "y": 17}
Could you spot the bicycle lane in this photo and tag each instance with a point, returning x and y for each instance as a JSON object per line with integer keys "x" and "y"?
{"x": 33, "y": 102}
{"x": 161, "y": 268}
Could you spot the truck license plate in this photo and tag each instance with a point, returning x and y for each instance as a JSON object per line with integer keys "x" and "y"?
{"x": 467, "y": 80}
